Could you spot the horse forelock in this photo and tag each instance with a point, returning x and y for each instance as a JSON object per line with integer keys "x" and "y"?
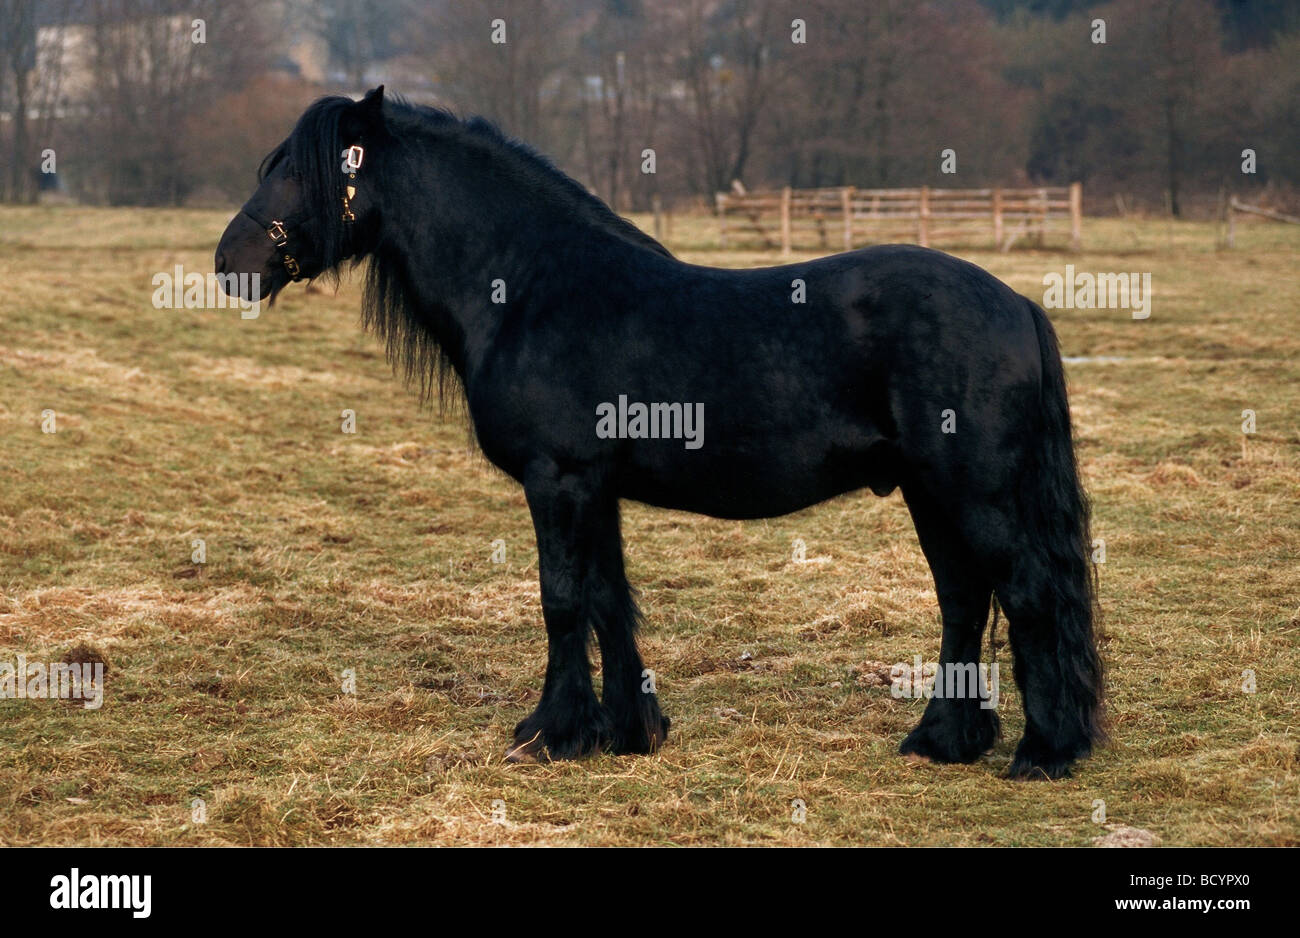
{"x": 314, "y": 150}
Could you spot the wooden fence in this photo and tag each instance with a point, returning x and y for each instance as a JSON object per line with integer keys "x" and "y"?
{"x": 1234, "y": 205}
{"x": 849, "y": 216}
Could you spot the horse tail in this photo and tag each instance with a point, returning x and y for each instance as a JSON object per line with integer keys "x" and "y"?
{"x": 1057, "y": 512}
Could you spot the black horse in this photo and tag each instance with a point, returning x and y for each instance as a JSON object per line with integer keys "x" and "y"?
{"x": 590, "y": 359}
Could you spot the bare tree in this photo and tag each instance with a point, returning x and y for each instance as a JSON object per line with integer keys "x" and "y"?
{"x": 359, "y": 33}
{"x": 504, "y": 60}
{"x": 17, "y": 61}
{"x": 619, "y": 86}
{"x": 150, "y": 73}
{"x": 1185, "y": 43}
{"x": 729, "y": 69}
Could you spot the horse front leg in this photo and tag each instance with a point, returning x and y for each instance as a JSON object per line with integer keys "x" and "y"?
{"x": 569, "y": 510}
{"x": 628, "y": 688}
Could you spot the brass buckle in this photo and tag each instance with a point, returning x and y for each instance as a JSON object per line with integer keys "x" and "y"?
{"x": 278, "y": 234}
{"x": 352, "y": 158}
{"x": 291, "y": 265}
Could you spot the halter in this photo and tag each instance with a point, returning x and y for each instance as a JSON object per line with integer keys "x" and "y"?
{"x": 278, "y": 230}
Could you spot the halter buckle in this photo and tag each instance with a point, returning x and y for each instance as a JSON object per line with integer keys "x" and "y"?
{"x": 291, "y": 265}
{"x": 277, "y": 234}
{"x": 352, "y": 158}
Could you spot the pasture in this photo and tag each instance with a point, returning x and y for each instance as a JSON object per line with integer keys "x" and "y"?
{"x": 373, "y": 551}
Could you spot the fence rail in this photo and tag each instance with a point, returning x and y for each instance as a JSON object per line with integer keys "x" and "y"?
{"x": 851, "y": 215}
{"x": 1235, "y": 205}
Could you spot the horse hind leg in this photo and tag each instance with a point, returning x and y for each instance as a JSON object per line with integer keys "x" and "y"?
{"x": 960, "y": 723}
{"x": 1058, "y": 670}
{"x": 1043, "y": 579}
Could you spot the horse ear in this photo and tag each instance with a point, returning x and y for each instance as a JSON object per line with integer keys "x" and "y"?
{"x": 366, "y": 113}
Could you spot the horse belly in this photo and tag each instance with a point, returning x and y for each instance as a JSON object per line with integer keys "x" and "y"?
{"x": 759, "y": 482}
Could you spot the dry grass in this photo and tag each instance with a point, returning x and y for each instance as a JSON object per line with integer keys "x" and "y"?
{"x": 328, "y": 551}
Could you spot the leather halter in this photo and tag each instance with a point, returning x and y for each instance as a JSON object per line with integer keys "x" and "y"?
{"x": 278, "y": 230}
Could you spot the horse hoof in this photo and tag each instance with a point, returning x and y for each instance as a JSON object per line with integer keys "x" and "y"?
{"x": 1036, "y": 761}
{"x": 528, "y": 752}
{"x": 645, "y": 736}
{"x": 1028, "y": 772}
{"x": 582, "y": 733}
{"x": 959, "y": 738}
{"x": 1031, "y": 770}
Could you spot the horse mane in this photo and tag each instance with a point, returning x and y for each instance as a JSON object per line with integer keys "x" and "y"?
{"x": 388, "y": 304}
{"x": 538, "y": 167}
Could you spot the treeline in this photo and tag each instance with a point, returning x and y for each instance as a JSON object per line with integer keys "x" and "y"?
{"x": 1154, "y": 100}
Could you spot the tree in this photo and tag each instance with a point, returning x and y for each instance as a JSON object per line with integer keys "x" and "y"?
{"x": 359, "y": 33}
{"x": 17, "y": 61}
{"x": 502, "y": 59}
{"x": 1166, "y": 52}
{"x": 149, "y": 73}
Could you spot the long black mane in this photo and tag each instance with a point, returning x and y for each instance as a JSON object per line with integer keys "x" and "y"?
{"x": 389, "y": 308}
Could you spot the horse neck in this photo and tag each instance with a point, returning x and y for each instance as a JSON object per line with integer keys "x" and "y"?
{"x": 464, "y": 231}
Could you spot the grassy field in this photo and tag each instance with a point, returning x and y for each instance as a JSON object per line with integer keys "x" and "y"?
{"x": 371, "y": 551}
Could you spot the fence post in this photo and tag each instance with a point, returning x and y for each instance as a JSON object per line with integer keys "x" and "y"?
{"x": 1076, "y": 216}
{"x": 924, "y": 217}
{"x": 1232, "y": 221}
{"x": 997, "y": 219}
{"x": 657, "y": 206}
{"x": 720, "y": 202}
{"x": 785, "y": 220}
{"x": 846, "y": 206}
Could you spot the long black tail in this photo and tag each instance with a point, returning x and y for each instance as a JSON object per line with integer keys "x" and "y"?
{"x": 1056, "y": 507}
